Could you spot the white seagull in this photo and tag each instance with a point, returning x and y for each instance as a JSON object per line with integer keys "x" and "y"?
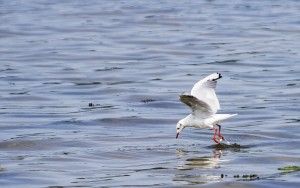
{"x": 204, "y": 104}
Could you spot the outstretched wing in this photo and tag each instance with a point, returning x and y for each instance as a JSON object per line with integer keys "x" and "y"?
{"x": 204, "y": 90}
{"x": 199, "y": 108}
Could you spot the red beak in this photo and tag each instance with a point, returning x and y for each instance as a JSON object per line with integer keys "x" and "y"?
{"x": 177, "y": 135}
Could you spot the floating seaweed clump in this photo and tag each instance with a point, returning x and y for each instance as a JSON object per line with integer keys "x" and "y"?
{"x": 288, "y": 169}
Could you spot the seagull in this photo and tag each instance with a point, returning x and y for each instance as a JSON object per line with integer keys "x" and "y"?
{"x": 204, "y": 104}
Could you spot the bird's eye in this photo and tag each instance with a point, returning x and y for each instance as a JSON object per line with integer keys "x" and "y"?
{"x": 177, "y": 128}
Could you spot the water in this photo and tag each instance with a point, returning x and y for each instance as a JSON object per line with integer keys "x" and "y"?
{"x": 131, "y": 60}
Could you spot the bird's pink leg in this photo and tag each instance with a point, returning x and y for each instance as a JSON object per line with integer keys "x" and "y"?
{"x": 214, "y": 137}
{"x": 219, "y": 134}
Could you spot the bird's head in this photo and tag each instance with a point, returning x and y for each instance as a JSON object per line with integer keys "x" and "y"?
{"x": 214, "y": 76}
{"x": 179, "y": 127}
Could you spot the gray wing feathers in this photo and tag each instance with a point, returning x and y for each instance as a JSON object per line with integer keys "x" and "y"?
{"x": 197, "y": 106}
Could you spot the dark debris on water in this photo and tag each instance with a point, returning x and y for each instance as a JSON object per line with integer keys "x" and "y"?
{"x": 101, "y": 106}
{"x": 244, "y": 177}
{"x": 147, "y": 100}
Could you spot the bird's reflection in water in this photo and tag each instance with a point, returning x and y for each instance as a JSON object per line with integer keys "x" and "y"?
{"x": 193, "y": 170}
{"x": 199, "y": 161}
